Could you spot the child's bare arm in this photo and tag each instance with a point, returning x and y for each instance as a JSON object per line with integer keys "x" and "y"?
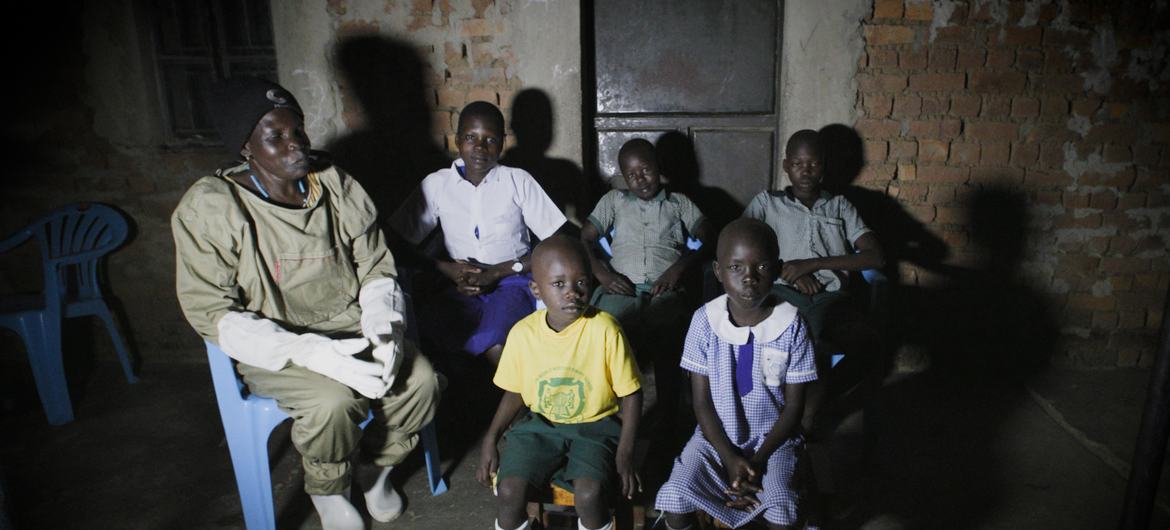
{"x": 785, "y": 426}
{"x": 705, "y": 233}
{"x": 735, "y": 466}
{"x": 631, "y": 410}
{"x": 611, "y": 281}
{"x": 489, "y": 458}
{"x": 868, "y": 256}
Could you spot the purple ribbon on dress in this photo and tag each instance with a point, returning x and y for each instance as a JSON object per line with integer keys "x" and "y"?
{"x": 743, "y": 368}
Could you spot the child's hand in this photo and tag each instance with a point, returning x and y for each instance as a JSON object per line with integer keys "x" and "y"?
{"x": 489, "y": 462}
{"x": 668, "y": 281}
{"x": 615, "y": 283}
{"x": 631, "y": 482}
{"x": 808, "y": 285}
{"x": 793, "y": 269}
{"x": 740, "y": 474}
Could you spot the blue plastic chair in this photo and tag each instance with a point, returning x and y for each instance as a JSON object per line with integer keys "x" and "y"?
{"x": 248, "y": 420}
{"x": 72, "y": 239}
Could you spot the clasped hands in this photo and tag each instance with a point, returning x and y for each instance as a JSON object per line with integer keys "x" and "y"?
{"x": 616, "y": 283}
{"x": 744, "y": 476}
{"x": 799, "y": 274}
{"x": 471, "y": 279}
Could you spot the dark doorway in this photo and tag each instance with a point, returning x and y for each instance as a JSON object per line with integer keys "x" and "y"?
{"x": 706, "y": 70}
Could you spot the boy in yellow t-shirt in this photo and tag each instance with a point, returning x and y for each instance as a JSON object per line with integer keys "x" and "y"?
{"x": 572, "y": 367}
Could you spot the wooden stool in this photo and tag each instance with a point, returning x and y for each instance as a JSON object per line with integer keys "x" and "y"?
{"x": 628, "y": 514}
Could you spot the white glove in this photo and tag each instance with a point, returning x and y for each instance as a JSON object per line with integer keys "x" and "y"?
{"x": 261, "y": 342}
{"x": 384, "y": 323}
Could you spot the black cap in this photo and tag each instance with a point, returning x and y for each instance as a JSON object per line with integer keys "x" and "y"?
{"x": 238, "y": 104}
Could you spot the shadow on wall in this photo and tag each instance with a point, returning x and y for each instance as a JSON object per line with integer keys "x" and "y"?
{"x": 679, "y": 162}
{"x": 394, "y": 149}
{"x": 532, "y": 125}
{"x": 982, "y": 330}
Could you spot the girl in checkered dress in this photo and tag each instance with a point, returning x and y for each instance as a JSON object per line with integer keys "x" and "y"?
{"x": 749, "y": 359}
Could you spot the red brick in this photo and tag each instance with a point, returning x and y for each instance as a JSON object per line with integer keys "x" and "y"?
{"x": 907, "y": 172}
{"x": 912, "y": 59}
{"x": 996, "y": 107}
{"x": 1131, "y": 200}
{"x": 1024, "y": 154}
{"x": 1117, "y": 153}
{"x": 954, "y": 34}
{"x": 1030, "y": 60}
{"x": 1118, "y": 133}
{"x": 878, "y": 128}
{"x": 997, "y": 82}
{"x": 481, "y": 27}
{"x": 1146, "y": 155}
{"x": 1103, "y": 200}
{"x": 940, "y": 194}
{"x": 997, "y": 175}
{"x": 923, "y": 212}
{"x": 907, "y": 106}
{"x": 1094, "y": 303}
{"x": 932, "y": 150}
{"x": 887, "y": 9}
{"x": 1131, "y": 319}
{"x": 482, "y": 94}
{"x": 950, "y": 215}
{"x": 881, "y": 82}
{"x": 995, "y": 154}
{"x": 1058, "y": 83}
{"x": 1037, "y": 177}
{"x": 1051, "y": 155}
{"x": 965, "y": 106}
{"x": 942, "y": 58}
{"x": 877, "y": 105}
{"x": 1086, "y": 106}
{"x": 877, "y": 172}
{"x": 992, "y": 131}
{"x": 954, "y": 175}
{"x": 1072, "y": 201}
{"x": 934, "y": 105}
{"x": 1050, "y": 198}
{"x": 1056, "y": 61}
{"x": 1048, "y": 131}
{"x": 1062, "y": 38}
{"x": 1121, "y": 179}
{"x": 877, "y": 35}
{"x": 949, "y": 128}
{"x": 903, "y": 149}
{"x": 1022, "y": 36}
{"x": 883, "y": 58}
{"x": 1000, "y": 58}
{"x": 1126, "y": 265}
{"x": 875, "y": 151}
{"x": 937, "y": 82}
{"x": 970, "y": 57}
{"x": 919, "y": 10}
{"x": 449, "y": 98}
{"x": 1116, "y": 110}
{"x": 964, "y": 154}
{"x": 1145, "y": 281}
{"x": 1054, "y": 106}
{"x": 1025, "y": 107}
{"x": 1104, "y": 320}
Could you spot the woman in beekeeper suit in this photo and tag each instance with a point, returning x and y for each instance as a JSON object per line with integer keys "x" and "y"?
{"x": 281, "y": 263}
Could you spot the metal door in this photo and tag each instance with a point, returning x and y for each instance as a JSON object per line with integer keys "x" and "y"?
{"x": 699, "y": 79}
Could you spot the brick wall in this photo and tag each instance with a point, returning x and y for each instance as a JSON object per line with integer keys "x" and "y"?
{"x": 463, "y": 44}
{"x": 1065, "y": 103}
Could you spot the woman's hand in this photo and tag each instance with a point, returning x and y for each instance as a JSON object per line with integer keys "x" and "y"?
{"x": 489, "y": 461}
{"x": 615, "y": 283}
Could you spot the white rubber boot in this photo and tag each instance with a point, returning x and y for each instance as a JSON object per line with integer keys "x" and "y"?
{"x": 383, "y": 502}
{"x": 337, "y": 513}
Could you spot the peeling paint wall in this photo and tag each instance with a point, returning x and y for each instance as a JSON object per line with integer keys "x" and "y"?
{"x": 1066, "y": 103}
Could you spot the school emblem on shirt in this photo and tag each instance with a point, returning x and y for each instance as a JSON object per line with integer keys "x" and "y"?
{"x": 561, "y": 398}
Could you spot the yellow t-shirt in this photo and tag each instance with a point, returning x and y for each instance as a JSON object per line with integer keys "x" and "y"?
{"x": 574, "y": 376}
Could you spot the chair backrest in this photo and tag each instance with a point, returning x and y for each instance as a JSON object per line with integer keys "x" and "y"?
{"x": 77, "y": 235}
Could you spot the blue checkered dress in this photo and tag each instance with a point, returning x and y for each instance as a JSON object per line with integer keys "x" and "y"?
{"x": 780, "y": 348}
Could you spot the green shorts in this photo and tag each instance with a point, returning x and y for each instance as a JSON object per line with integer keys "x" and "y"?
{"x": 541, "y": 451}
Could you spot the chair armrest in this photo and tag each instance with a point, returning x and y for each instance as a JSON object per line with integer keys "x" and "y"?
{"x": 15, "y": 240}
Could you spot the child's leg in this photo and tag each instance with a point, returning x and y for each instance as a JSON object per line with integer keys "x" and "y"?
{"x": 592, "y": 506}
{"x": 512, "y": 501}
{"x": 680, "y": 521}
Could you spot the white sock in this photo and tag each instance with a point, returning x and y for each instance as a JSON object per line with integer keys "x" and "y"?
{"x": 521, "y": 527}
{"x": 608, "y": 526}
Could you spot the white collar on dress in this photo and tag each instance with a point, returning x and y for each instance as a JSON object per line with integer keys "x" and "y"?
{"x": 767, "y": 330}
